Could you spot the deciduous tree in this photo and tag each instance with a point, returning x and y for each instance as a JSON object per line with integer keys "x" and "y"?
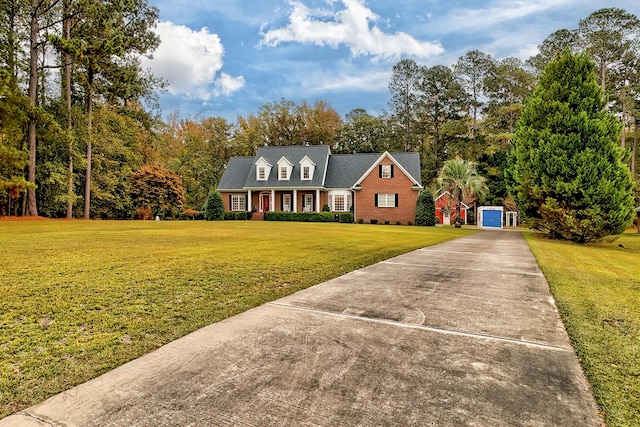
{"x": 160, "y": 189}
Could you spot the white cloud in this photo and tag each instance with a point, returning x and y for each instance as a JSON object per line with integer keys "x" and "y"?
{"x": 227, "y": 84}
{"x": 190, "y": 61}
{"x": 496, "y": 14}
{"x": 352, "y": 26}
{"x": 371, "y": 81}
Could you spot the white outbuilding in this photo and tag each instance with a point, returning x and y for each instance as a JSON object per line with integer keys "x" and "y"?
{"x": 491, "y": 216}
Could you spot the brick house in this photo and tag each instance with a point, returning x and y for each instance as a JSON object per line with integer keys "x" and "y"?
{"x": 378, "y": 186}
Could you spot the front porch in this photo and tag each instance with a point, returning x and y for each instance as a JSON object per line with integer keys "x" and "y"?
{"x": 259, "y": 201}
{"x": 286, "y": 200}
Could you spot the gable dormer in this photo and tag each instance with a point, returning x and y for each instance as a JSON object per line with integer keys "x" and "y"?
{"x": 285, "y": 167}
{"x": 307, "y": 168}
{"x": 263, "y": 169}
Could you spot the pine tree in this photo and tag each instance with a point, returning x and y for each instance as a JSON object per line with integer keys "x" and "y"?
{"x": 571, "y": 178}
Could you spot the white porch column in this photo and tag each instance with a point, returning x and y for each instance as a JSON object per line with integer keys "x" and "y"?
{"x": 295, "y": 201}
{"x": 317, "y": 200}
{"x": 249, "y": 201}
{"x": 272, "y": 201}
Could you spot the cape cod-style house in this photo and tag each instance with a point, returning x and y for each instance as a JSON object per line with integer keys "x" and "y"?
{"x": 375, "y": 186}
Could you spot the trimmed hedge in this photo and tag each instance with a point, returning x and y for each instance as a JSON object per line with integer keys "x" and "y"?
{"x": 345, "y": 217}
{"x": 241, "y": 215}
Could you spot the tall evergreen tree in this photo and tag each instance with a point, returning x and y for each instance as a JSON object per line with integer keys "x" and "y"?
{"x": 112, "y": 33}
{"x": 405, "y": 90}
{"x": 571, "y": 177}
{"x": 425, "y": 209}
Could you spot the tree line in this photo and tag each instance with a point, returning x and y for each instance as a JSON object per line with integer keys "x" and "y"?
{"x": 80, "y": 134}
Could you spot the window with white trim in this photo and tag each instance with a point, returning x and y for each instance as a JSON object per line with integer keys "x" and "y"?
{"x": 340, "y": 201}
{"x": 307, "y": 167}
{"x": 386, "y": 200}
{"x": 238, "y": 202}
{"x": 286, "y": 202}
{"x": 284, "y": 169}
{"x": 262, "y": 175}
{"x": 385, "y": 171}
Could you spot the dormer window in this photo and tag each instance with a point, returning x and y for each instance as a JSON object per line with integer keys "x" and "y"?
{"x": 263, "y": 169}
{"x": 307, "y": 167}
{"x": 284, "y": 169}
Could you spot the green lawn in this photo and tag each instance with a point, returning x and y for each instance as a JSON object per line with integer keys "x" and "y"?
{"x": 78, "y": 298}
{"x": 597, "y": 290}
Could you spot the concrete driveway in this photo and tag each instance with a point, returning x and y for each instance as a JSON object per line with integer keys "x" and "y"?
{"x": 464, "y": 333}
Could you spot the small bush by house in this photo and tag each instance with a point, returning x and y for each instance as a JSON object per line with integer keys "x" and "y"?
{"x": 299, "y": 216}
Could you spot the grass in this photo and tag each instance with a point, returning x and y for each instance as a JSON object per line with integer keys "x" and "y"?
{"x": 597, "y": 290}
{"x": 79, "y": 298}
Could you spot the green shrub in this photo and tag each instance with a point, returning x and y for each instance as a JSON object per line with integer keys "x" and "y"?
{"x": 360, "y": 221}
{"x": 325, "y": 208}
{"x": 373, "y": 221}
{"x": 425, "y": 209}
{"x": 346, "y": 217}
{"x": 229, "y": 216}
{"x": 214, "y": 210}
{"x": 243, "y": 215}
{"x": 299, "y": 216}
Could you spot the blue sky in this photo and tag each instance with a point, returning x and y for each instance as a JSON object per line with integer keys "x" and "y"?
{"x": 227, "y": 58}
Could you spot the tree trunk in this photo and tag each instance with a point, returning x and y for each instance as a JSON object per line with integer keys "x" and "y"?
{"x": 623, "y": 137}
{"x": 87, "y": 181}
{"x": 634, "y": 147}
{"x": 32, "y": 209}
{"x": 67, "y": 95}
{"x": 603, "y": 77}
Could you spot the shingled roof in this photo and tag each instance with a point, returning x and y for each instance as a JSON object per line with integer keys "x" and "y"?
{"x": 331, "y": 170}
{"x": 318, "y": 154}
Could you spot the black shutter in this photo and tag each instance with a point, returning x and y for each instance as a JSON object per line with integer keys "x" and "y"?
{"x": 281, "y": 202}
{"x": 396, "y": 200}
{"x": 230, "y": 205}
{"x": 376, "y": 200}
{"x": 246, "y": 202}
{"x": 391, "y": 171}
{"x": 379, "y": 173}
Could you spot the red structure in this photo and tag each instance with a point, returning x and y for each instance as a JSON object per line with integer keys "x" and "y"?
{"x": 446, "y": 210}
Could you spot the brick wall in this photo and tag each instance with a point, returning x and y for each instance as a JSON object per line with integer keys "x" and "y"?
{"x": 400, "y": 184}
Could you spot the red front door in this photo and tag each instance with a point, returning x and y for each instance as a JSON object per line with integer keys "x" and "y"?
{"x": 265, "y": 202}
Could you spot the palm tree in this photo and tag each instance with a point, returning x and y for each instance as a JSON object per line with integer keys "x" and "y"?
{"x": 460, "y": 178}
